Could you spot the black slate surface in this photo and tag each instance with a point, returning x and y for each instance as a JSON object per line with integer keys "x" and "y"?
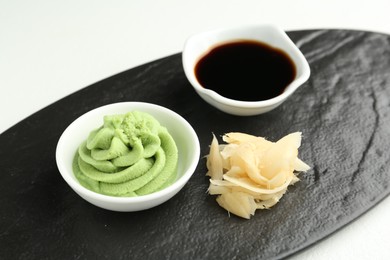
{"x": 343, "y": 112}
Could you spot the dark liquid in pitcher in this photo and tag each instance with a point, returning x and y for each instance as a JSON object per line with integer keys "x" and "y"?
{"x": 246, "y": 70}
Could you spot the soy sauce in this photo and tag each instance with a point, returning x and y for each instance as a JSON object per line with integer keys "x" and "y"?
{"x": 246, "y": 70}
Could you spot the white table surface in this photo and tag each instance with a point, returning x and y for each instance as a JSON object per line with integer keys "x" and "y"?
{"x": 51, "y": 48}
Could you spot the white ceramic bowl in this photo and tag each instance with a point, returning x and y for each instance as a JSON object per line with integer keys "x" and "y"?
{"x": 184, "y": 135}
{"x": 198, "y": 45}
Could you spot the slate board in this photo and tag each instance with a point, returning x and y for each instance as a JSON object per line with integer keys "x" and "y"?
{"x": 343, "y": 112}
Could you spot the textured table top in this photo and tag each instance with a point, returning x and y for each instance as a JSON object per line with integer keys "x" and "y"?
{"x": 343, "y": 112}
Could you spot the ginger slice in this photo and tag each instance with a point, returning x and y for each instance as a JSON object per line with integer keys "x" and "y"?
{"x": 250, "y": 172}
{"x": 214, "y": 161}
{"x": 238, "y": 203}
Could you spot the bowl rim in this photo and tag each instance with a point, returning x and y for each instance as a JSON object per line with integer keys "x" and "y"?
{"x": 290, "y": 89}
{"x": 174, "y": 187}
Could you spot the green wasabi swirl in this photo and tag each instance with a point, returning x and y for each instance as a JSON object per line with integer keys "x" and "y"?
{"x": 129, "y": 155}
